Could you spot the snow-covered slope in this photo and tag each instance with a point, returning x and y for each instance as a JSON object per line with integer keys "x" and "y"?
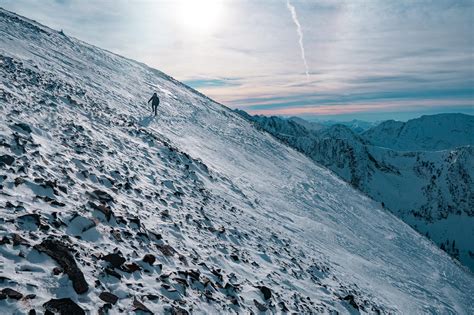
{"x": 430, "y": 190}
{"x": 106, "y": 208}
{"x": 431, "y": 132}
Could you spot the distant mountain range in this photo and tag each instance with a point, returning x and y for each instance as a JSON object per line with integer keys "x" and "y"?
{"x": 355, "y": 125}
{"x": 421, "y": 170}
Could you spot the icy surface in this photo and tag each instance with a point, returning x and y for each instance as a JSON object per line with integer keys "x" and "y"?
{"x": 235, "y": 220}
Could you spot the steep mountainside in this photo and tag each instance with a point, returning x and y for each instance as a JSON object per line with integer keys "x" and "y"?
{"x": 107, "y": 209}
{"x": 432, "y": 191}
{"x": 433, "y": 132}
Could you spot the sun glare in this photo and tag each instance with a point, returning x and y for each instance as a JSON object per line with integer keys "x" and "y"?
{"x": 199, "y": 15}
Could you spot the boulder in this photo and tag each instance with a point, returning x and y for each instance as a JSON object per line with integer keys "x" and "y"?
{"x": 61, "y": 254}
{"x": 108, "y": 297}
{"x": 64, "y": 306}
{"x": 115, "y": 259}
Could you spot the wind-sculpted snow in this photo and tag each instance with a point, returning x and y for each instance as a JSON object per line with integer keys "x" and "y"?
{"x": 192, "y": 211}
{"x": 433, "y": 191}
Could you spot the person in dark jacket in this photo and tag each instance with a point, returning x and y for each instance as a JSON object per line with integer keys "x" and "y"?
{"x": 155, "y": 101}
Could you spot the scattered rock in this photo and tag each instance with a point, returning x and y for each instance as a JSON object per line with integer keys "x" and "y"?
{"x": 61, "y": 254}
{"x": 113, "y": 273}
{"x": 267, "y": 293}
{"x": 115, "y": 259}
{"x": 139, "y": 306}
{"x": 22, "y": 127}
{"x": 18, "y": 181}
{"x": 175, "y": 310}
{"x": 149, "y": 258}
{"x": 57, "y": 271}
{"x": 64, "y": 306}
{"x": 350, "y": 298}
{"x": 166, "y": 250}
{"x": 4, "y": 240}
{"x": 102, "y": 208}
{"x": 132, "y": 267}
{"x": 283, "y": 307}
{"x": 108, "y": 297}
{"x": 6, "y": 159}
{"x": 260, "y": 307}
{"x": 18, "y": 240}
{"x": 104, "y": 309}
{"x": 12, "y": 294}
{"x": 102, "y": 196}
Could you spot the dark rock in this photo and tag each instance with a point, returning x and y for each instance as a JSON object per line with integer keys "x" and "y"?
{"x": 57, "y": 271}
{"x": 152, "y": 297}
{"x": 6, "y": 159}
{"x": 350, "y": 298}
{"x": 61, "y": 254}
{"x": 116, "y": 260}
{"x": 64, "y": 306}
{"x": 113, "y": 273}
{"x": 166, "y": 250}
{"x": 260, "y": 306}
{"x": 5, "y": 240}
{"x": 140, "y": 307}
{"x": 18, "y": 240}
{"x": 12, "y": 294}
{"x": 178, "y": 311}
{"x": 32, "y": 312}
{"x": 104, "y": 309}
{"x": 102, "y": 196}
{"x": 102, "y": 208}
{"x": 23, "y": 127}
{"x": 149, "y": 258}
{"x": 267, "y": 293}
{"x": 57, "y": 203}
{"x": 132, "y": 267}
{"x": 283, "y": 307}
{"x": 108, "y": 297}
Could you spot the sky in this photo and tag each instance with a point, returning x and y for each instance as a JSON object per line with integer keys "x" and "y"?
{"x": 317, "y": 59}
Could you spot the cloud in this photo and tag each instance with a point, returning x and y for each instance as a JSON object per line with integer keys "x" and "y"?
{"x": 366, "y": 52}
{"x": 208, "y": 83}
{"x": 294, "y": 16}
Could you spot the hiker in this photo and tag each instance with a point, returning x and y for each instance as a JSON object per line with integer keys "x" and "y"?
{"x": 155, "y": 101}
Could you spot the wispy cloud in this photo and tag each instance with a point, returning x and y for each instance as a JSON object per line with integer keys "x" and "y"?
{"x": 294, "y": 16}
{"x": 211, "y": 83}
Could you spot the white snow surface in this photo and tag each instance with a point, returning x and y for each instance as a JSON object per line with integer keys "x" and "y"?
{"x": 238, "y": 206}
{"x": 432, "y": 191}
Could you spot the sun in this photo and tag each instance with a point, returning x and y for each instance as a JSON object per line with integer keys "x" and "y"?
{"x": 199, "y": 15}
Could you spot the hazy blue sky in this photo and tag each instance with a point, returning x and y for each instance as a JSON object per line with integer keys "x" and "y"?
{"x": 365, "y": 59}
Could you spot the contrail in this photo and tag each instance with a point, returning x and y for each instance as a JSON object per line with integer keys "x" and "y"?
{"x": 300, "y": 34}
